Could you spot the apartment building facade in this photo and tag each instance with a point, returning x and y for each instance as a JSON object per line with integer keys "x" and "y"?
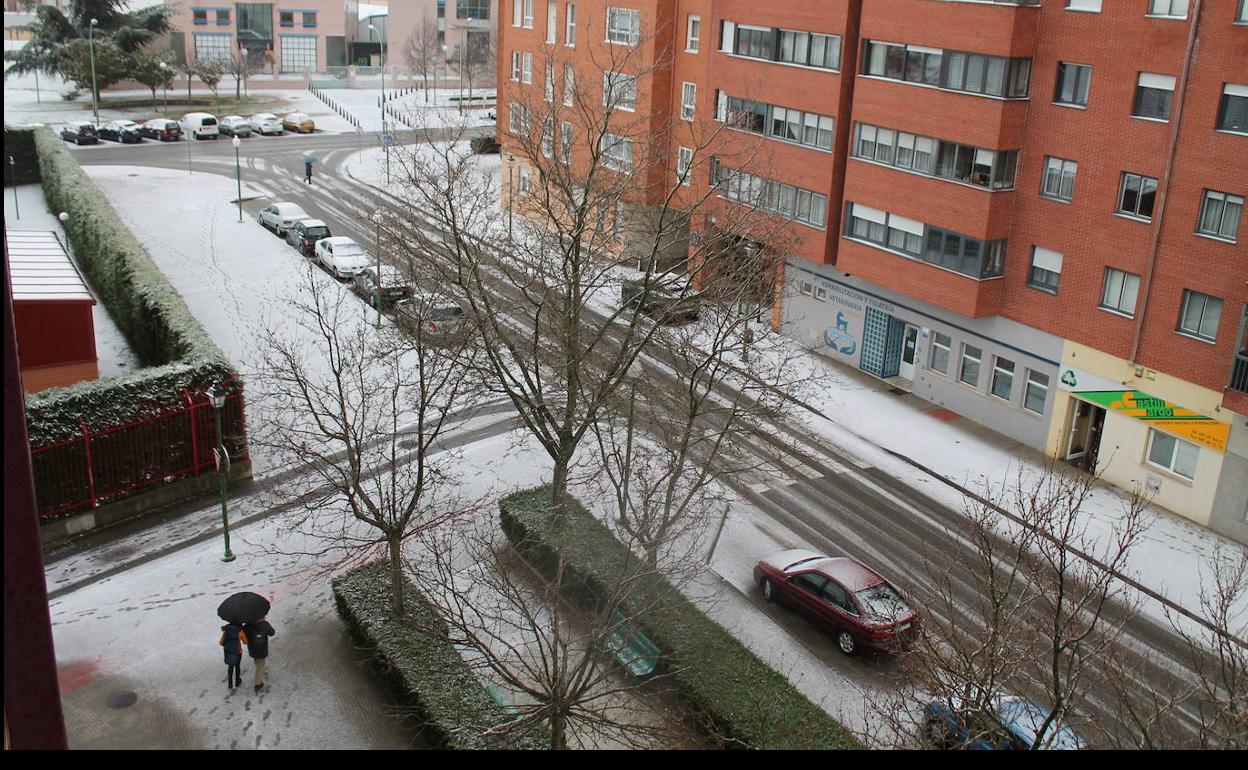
{"x": 308, "y": 36}
{"x": 1030, "y": 213}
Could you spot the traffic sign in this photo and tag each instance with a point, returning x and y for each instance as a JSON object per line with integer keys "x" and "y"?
{"x": 388, "y": 139}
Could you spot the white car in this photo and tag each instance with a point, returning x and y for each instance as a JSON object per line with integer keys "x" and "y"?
{"x": 280, "y": 216}
{"x": 200, "y": 125}
{"x": 234, "y": 125}
{"x": 266, "y": 124}
{"x": 341, "y": 256}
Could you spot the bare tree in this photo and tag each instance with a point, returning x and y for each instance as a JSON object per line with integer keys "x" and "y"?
{"x": 238, "y": 65}
{"x": 364, "y": 421}
{"x": 1221, "y": 658}
{"x": 598, "y": 204}
{"x": 1029, "y": 603}
{"x": 209, "y": 72}
{"x": 422, "y": 52}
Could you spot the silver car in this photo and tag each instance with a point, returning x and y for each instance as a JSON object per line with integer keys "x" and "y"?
{"x": 278, "y": 217}
{"x": 235, "y": 125}
{"x": 341, "y": 256}
{"x": 266, "y": 124}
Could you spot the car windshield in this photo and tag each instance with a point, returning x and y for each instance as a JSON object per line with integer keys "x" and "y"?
{"x": 319, "y": 232}
{"x": 349, "y": 251}
{"x": 1024, "y": 718}
{"x": 883, "y": 602}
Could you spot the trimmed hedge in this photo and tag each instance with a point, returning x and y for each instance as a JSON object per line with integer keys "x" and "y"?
{"x": 175, "y": 349}
{"x": 20, "y": 145}
{"x": 425, "y": 671}
{"x": 746, "y": 700}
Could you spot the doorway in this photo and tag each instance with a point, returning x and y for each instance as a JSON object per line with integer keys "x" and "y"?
{"x": 909, "y": 341}
{"x": 1083, "y": 443}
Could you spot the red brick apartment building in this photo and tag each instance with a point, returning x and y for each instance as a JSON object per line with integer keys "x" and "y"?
{"x": 1028, "y": 212}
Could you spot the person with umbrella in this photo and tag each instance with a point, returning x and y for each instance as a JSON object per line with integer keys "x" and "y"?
{"x": 308, "y": 160}
{"x": 256, "y": 637}
{"x": 237, "y": 611}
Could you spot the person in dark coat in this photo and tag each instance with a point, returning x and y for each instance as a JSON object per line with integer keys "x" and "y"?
{"x": 307, "y": 172}
{"x": 231, "y": 642}
{"x": 256, "y": 635}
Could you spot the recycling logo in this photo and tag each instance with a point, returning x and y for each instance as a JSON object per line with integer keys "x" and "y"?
{"x": 1068, "y": 378}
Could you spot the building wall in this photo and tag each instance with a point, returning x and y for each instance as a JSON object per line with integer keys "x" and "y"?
{"x": 44, "y": 377}
{"x": 407, "y": 16}
{"x": 331, "y": 21}
{"x": 54, "y": 333}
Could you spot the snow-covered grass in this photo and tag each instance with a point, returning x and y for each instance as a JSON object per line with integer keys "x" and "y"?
{"x": 440, "y": 111}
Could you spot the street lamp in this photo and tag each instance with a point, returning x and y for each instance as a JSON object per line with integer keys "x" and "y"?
{"x": 511, "y": 190}
{"x": 95, "y": 88}
{"x": 238, "y": 175}
{"x": 164, "y": 69}
{"x": 17, "y": 209}
{"x": 216, "y": 396}
{"x": 385, "y": 147}
{"x": 63, "y": 217}
{"x": 377, "y": 290}
{"x": 632, "y": 375}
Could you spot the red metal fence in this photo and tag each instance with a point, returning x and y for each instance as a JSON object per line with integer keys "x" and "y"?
{"x": 107, "y": 464}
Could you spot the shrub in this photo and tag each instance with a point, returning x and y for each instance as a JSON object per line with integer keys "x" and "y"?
{"x": 744, "y": 699}
{"x": 426, "y": 672}
{"x": 485, "y": 145}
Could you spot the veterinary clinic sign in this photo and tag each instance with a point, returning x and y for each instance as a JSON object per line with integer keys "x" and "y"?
{"x": 1163, "y": 414}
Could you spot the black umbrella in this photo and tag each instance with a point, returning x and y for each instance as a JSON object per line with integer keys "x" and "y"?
{"x": 244, "y": 607}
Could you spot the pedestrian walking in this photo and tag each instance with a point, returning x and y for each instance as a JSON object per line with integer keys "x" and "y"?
{"x": 307, "y": 172}
{"x": 256, "y": 636}
{"x": 232, "y": 640}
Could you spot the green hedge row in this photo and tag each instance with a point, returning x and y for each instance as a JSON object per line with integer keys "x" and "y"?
{"x": 19, "y": 144}
{"x": 746, "y": 701}
{"x": 425, "y": 671}
{"x": 175, "y": 350}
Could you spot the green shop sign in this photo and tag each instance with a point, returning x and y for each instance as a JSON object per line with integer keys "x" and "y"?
{"x": 1160, "y": 413}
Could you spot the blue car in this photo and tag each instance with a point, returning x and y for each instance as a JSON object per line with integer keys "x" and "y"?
{"x": 1011, "y": 722}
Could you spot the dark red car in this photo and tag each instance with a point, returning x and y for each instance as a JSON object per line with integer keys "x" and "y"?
{"x": 850, "y": 601}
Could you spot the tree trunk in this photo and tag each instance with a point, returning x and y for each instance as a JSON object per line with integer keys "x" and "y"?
{"x": 558, "y": 731}
{"x": 188, "y": 87}
{"x": 425, "y": 78}
{"x": 396, "y": 576}
{"x": 559, "y": 486}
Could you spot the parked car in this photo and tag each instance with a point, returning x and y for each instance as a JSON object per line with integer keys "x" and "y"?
{"x": 1009, "y": 722}
{"x": 80, "y": 133}
{"x": 161, "y": 128}
{"x": 341, "y": 256}
{"x": 849, "y": 600}
{"x": 200, "y": 125}
{"x": 392, "y": 285}
{"x": 304, "y": 233}
{"x": 435, "y": 317}
{"x": 278, "y": 217}
{"x": 298, "y": 122}
{"x": 234, "y": 125}
{"x": 266, "y": 124}
{"x": 124, "y": 131}
{"x": 666, "y": 297}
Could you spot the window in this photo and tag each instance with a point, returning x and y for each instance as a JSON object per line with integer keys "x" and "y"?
{"x": 1172, "y": 453}
{"x": 199, "y": 16}
{"x": 955, "y": 70}
{"x": 1046, "y": 269}
{"x": 949, "y": 250}
{"x": 1233, "y": 109}
{"x": 786, "y": 200}
{"x": 565, "y": 142}
{"x": 469, "y": 9}
{"x": 1059, "y": 178}
{"x": 969, "y": 371}
{"x": 623, "y": 26}
{"x": 1241, "y": 16}
{"x": 941, "y": 345}
{"x": 693, "y": 34}
{"x": 809, "y": 49}
{"x": 309, "y": 18}
{"x": 891, "y": 231}
{"x": 1175, "y": 9}
{"x": 1220, "y": 214}
{"x": 1152, "y": 96}
{"x": 526, "y": 180}
{"x": 1093, "y": 6}
{"x": 619, "y": 91}
{"x": 286, "y": 18}
{"x": 688, "y": 100}
{"x": 548, "y": 87}
{"x": 569, "y": 85}
{"x": 783, "y": 123}
{"x": 548, "y": 137}
{"x": 1136, "y": 196}
{"x": 1036, "y": 392}
{"x": 518, "y": 118}
{"x": 223, "y": 17}
{"x": 213, "y": 46}
{"x": 1120, "y": 291}
{"x": 617, "y": 152}
{"x": 527, "y": 21}
{"x": 684, "y": 164}
{"x": 552, "y": 22}
{"x": 517, "y": 66}
{"x": 1002, "y": 378}
{"x": 569, "y": 27}
{"x": 1200, "y": 315}
{"x": 298, "y": 53}
{"x": 441, "y": 9}
{"x": 992, "y": 169}
{"x": 526, "y": 75}
{"x": 1072, "y": 83}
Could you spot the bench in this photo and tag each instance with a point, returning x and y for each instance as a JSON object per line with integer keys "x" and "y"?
{"x": 632, "y": 649}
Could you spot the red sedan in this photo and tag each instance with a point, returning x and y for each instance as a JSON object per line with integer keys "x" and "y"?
{"x": 852, "y": 602}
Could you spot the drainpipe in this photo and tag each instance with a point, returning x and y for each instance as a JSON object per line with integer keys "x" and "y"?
{"x": 1164, "y": 188}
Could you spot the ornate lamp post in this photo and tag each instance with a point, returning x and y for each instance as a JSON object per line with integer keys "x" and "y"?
{"x": 95, "y": 88}
{"x": 238, "y": 175}
{"x": 385, "y": 147}
{"x": 216, "y": 395}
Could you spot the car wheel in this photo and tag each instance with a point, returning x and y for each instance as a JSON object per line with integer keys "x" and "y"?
{"x": 845, "y": 641}
{"x": 769, "y": 590}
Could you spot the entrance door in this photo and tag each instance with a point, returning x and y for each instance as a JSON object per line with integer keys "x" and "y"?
{"x": 1083, "y": 442}
{"x": 910, "y": 340}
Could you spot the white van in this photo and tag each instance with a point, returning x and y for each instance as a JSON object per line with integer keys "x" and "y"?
{"x": 200, "y": 125}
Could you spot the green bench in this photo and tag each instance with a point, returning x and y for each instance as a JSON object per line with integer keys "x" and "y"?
{"x": 632, "y": 649}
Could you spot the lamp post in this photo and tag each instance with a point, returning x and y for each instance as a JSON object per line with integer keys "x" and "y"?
{"x": 633, "y": 375}
{"x": 238, "y": 175}
{"x": 377, "y": 291}
{"x": 164, "y": 69}
{"x": 216, "y": 395}
{"x": 17, "y": 209}
{"x": 511, "y": 190}
{"x": 95, "y": 88}
{"x": 461, "y": 46}
{"x": 385, "y": 147}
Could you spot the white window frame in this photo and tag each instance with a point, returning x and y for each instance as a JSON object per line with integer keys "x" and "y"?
{"x": 1229, "y": 90}
{"x": 565, "y": 143}
{"x": 569, "y": 85}
{"x": 526, "y": 180}
{"x": 1219, "y": 230}
{"x": 1031, "y": 385}
{"x": 517, "y": 13}
{"x": 1002, "y": 373}
{"x": 1198, "y": 332}
{"x": 516, "y": 66}
{"x": 1153, "y": 82}
{"x": 1179, "y": 446}
{"x": 1168, "y": 9}
{"x": 526, "y": 75}
{"x": 569, "y": 26}
{"x": 616, "y": 91}
{"x": 688, "y": 100}
{"x": 1046, "y": 262}
{"x": 548, "y": 137}
{"x": 684, "y": 165}
{"x": 527, "y": 21}
{"x": 937, "y": 345}
{"x": 979, "y": 364}
{"x": 619, "y": 36}
{"x": 1116, "y": 287}
{"x": 1064, "y": 166}
{"x": 1241, "y": 16}
{"x": 548, "y": 86}
{"x": 617, "y": 152}
{"x": 1088, "y": 6}
{"x": 552, "y": 22}
{"x": 693, "y": 33}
